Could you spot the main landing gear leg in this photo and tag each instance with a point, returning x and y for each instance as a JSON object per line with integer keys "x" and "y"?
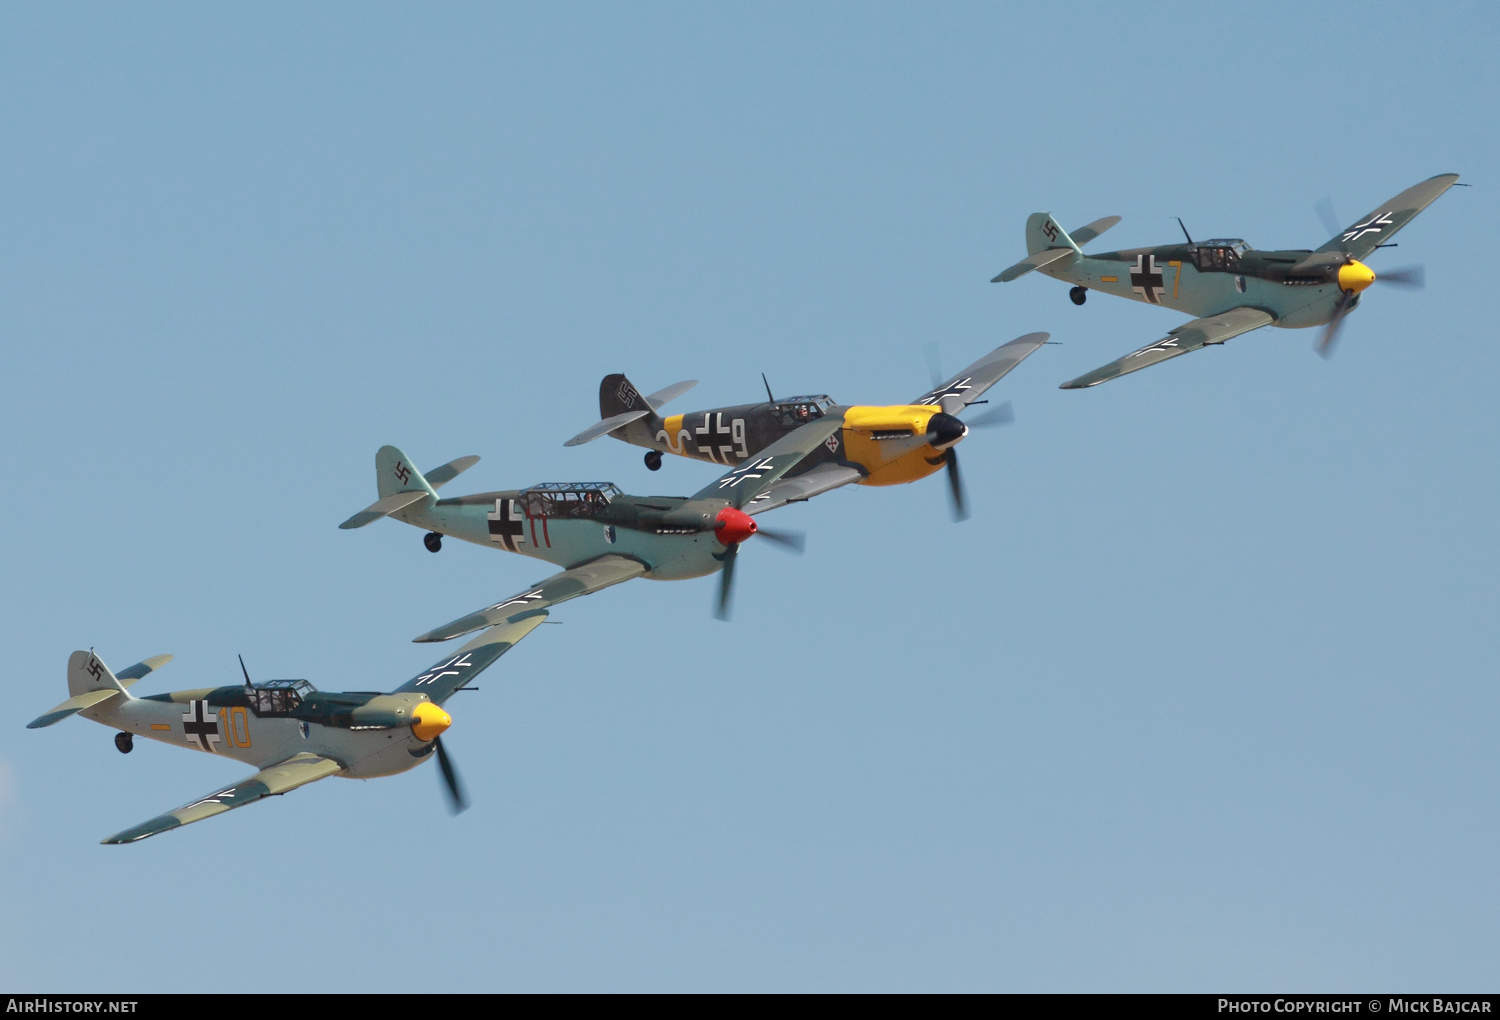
{"x": 653, "y": 460}
{"x": 433, "y": 541}
{"x": 125, "y": 742}
{"x": 1079, "y": 295}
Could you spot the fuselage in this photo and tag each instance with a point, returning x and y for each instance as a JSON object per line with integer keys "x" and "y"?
{"x": 1299, "y": 288}
{"x": 885, "y": 443}
{"x": 364, "y": 732}
{"x": 671, "y": 536}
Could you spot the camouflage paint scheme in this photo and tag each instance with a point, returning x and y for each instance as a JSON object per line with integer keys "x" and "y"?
{"x": 293, "y": 733}
{"x": 599, "y": 534}
{"x": 1229, "y": 286}
{"x": 881, "y": 445}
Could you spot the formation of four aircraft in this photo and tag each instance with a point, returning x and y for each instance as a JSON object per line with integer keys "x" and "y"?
{"x": 776, "y": 452}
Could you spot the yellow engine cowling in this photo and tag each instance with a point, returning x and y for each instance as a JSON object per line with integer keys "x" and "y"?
{"x": 890, "y": 442}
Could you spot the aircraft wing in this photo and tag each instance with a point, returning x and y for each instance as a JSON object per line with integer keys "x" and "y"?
{"x": 758, "y": 473}
{"x": 1190, "y": 336}
{"x": 443, "y": 678}
{"x": 298, "y": 770}
{"x": 581, "y": 580}
{"x": 805, "y": 486}
{"x": 1381, "y": 225}
{"x": 970, "y": 384}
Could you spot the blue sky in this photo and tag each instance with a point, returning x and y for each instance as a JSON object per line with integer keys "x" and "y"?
{"x": 1202, "y": 697}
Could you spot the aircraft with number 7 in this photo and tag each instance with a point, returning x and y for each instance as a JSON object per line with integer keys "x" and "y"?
{"x": 291, "y": 732}
{"x": 1231, "y": 287}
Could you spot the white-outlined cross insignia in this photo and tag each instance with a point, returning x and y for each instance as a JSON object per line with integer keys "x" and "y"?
{"x": 461, "y": 662}
{"x": 1372, "y": 225}
{"x": 750, "y": 469}
{"x": 520, "y": 600}
{"x": 201, "y": 726}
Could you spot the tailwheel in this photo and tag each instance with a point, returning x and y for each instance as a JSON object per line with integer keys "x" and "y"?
{"x": 433, "y": 541}
{"x": 125, "y": 742}
{"x": 1079, "y": 295}
{"x": 653, "y": 460}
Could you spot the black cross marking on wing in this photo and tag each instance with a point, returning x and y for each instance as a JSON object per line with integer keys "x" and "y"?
{"x": 1372, "y": 225}
{"x": 1160, "y": 345}
{"x": 953, "y": 389}
{"x": 519, "y": 600}
{"x": 750, "y": 469}
{"x": 446, "y": 669}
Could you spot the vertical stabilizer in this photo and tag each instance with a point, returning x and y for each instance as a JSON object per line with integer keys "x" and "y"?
{"x": 395, "y": 473}
{"x": 1043, "y": 232}
{"x": 87, "y": 673}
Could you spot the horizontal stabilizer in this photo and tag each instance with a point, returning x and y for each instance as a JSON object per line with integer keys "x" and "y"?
{"x": 384, "y": 507}
{"x": 74, "y": 704}
{"x": 606, "y": 426}
{"x": 298, "y": 770}
{"x": 140, "y": 669}
{"x": 580, "y": 580}
{"x": 1083, "y": 235}
{"x": 671, "y": 392}
{"x": 440, "y": 476}
{"x": 1190, "y": 336}
{"x": 1030, "y": 262}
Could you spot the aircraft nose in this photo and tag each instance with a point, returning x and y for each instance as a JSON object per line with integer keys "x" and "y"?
{"x": 943, "y": 430}
{"x": 428, "y": 721}
{"x": 733, "y": 526}
{"x": 1355, "y": 276}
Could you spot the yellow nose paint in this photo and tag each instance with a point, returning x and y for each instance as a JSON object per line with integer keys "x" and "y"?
{"x": 428, "y": 721}
{"x": 1356, "y": 276}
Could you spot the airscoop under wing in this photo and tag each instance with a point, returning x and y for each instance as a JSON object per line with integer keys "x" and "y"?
{"x": 1190, "y": 336}
{"x": 298, "y": 770}
{"x": 580, "y": 580}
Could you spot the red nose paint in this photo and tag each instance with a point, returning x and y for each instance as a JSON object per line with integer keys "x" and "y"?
{"x": 733, "y": 526}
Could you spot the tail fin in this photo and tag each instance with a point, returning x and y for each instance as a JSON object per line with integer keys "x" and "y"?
{"x": 395, "y": 473}
{"x": 88, "y": 673}
{"x": 1043, "y": 232}
{"x": 618, "y": 396}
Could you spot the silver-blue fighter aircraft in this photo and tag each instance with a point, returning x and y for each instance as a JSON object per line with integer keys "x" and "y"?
{"x": 1231, "y": 287}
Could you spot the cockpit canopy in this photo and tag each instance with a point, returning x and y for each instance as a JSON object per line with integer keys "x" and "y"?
{"x": 1220, "y": 255}
{"x": 794, "y": 412}
{"x": 568, "y": 499}
{"x": 278, "y": 697}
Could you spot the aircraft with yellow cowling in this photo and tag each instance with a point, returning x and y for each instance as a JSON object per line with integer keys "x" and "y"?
{"x": 293, "y": 733}
{"x": 874, "y": 445}
{"x": 779, "y": 453}
{"x": 1231, "y": 287}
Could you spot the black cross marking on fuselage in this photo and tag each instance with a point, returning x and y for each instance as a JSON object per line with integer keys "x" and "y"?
{"x": 1146, "y": 278}
{"x": 198, "y": 722}
{"x": 507, "y": 523}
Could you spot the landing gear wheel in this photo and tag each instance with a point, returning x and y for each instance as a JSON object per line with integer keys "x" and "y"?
{"x": 1079, "y": 295}
{"x": 433, "y": 541}
{"x": 125, "y": 742}
{"x": 653, "y": 460}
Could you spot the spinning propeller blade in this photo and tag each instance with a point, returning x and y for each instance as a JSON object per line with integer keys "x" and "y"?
{"x": 956, "y": 498}
{"x": 1331, "y": 331}
{"x": 457, "y": 802}
{"x": 1001, "y": 415}
{"x": 795, "y": 541}
{"x": 726, "y": 582}
{"x": 1331, "y": 222}
{"x": 1414, "y": 277}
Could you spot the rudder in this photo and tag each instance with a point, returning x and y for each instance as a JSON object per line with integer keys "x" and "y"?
{"x": 617, "y": 395}
{"x": 395, "y": 473}
{"x": 1043, "y": 232}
